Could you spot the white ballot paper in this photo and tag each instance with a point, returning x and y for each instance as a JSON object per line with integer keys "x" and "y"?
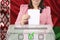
{"x": 34, "y": 16}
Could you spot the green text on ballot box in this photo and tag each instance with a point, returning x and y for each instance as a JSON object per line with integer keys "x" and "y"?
{"x": 30, "y": 32}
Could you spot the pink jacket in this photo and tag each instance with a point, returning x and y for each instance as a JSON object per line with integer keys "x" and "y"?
{"x": 45, "y": 15}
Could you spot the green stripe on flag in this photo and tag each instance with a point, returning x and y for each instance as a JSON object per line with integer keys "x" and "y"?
{"x": 58, "y": 35}
{"x": 57, "y": 32}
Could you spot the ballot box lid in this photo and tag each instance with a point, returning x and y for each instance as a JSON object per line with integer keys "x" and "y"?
{"x": 21, "y": 28}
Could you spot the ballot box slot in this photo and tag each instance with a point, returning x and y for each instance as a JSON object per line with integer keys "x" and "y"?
{"x": 31, "y": 28}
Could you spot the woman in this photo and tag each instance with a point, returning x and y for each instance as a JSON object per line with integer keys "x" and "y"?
{"x": 45, "y": 17}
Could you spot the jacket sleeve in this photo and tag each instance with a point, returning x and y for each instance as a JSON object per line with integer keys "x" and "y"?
{"x": 49, "y": 18}
{"x": 23, "y": 10}
{"x": 19, "y": 15}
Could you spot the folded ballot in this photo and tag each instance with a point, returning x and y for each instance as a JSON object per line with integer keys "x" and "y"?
{"x": 34, "y": 16}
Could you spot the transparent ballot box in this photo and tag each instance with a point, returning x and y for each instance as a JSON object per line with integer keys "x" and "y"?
{"x": 30, "y": 32}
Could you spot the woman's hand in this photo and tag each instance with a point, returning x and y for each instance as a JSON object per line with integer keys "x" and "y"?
{"x": 24, "y": 19}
